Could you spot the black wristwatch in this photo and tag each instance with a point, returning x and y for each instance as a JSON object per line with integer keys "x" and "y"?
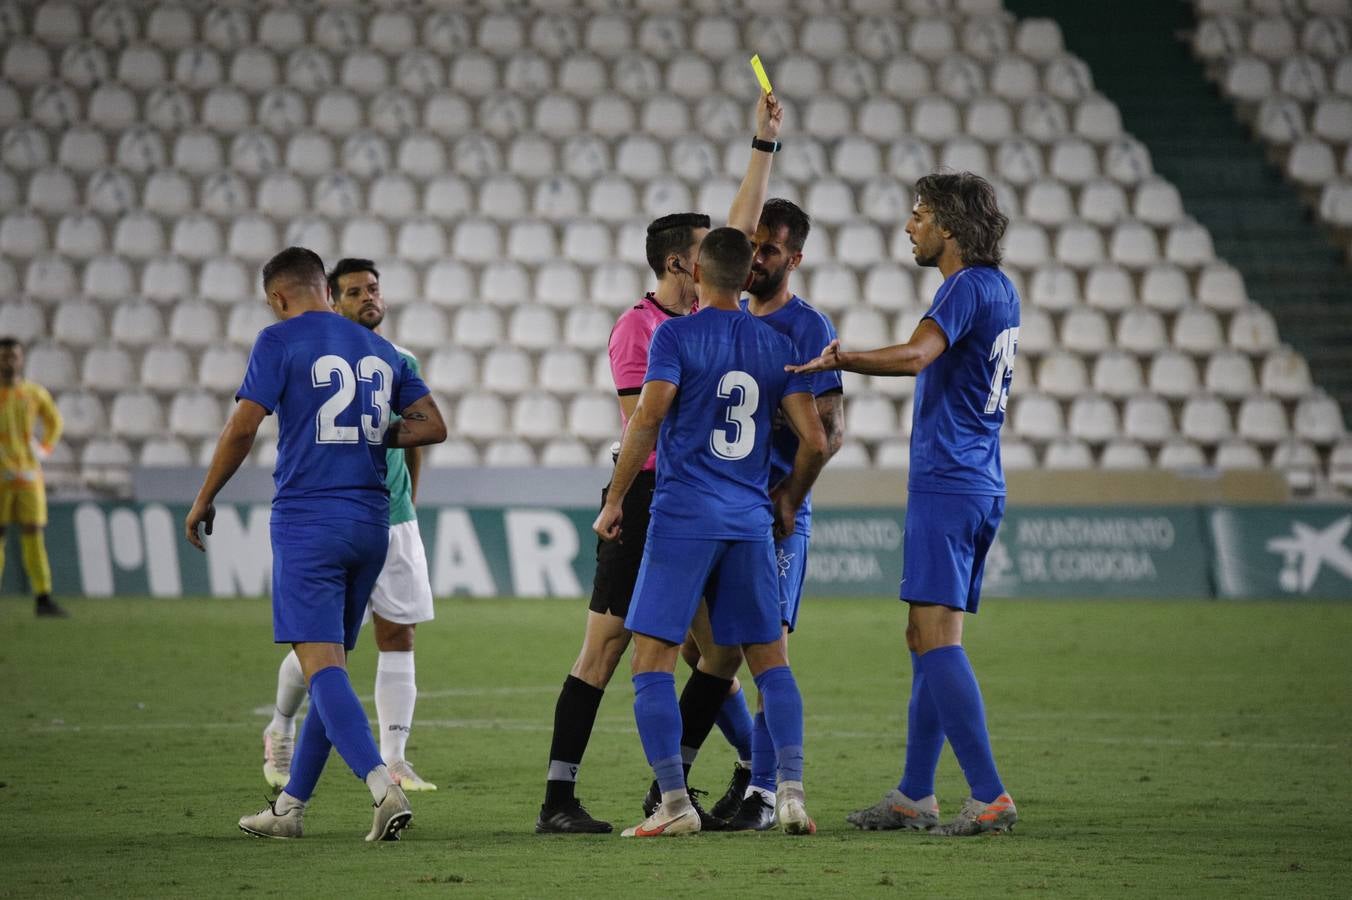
{"x": 766, "y": 146}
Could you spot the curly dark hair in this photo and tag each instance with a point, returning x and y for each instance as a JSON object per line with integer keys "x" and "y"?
{"x": 347, "y": 266}
{"x": 964, "y": 205}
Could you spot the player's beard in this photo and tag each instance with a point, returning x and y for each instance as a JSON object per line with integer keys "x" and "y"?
{"x": 927, "y": 259}
{"x": 766, "y": 283}
{"x": 371, "y": 317}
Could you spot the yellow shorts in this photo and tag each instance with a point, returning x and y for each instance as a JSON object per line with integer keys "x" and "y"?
{"x": 23, "y": 502}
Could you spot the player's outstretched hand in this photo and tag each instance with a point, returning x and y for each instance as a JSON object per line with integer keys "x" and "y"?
{"x": 829, "y": 360}
{"x": 199, "y": 515}
{"x": 769, "y": 117}
{"x": 607, "y": 524}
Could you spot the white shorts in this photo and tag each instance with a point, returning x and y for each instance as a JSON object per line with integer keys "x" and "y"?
{"x": 403, "y": 592}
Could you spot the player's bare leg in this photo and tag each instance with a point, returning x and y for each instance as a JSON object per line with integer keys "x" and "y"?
{"x": 604, "y": 641}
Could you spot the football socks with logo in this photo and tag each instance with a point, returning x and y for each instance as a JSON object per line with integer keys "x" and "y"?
{"x": 658, "y": 717}
{"x": 35, "y": 562}
{"x": 396, "y": 693}
{"x": 734, "y": 720}
{"x": 345, "y": 722}
{"x": 762, "y": 756}
{"x": 574, "y": 717}
{"x": 701, "y": 701}
{"x": 924, "y": 738}
{"x": 290, "y": 692}
{"x": 952, "y": 685}
{"x": 784, "y": 718}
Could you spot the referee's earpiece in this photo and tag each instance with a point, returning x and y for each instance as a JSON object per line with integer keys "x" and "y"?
{"x": 677, "y": 267}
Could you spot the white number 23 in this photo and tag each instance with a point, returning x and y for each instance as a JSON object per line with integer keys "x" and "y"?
{"x": 370, "y": 369}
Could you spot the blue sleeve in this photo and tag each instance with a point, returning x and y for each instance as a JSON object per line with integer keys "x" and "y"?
{"x": 664, "y": 356}
{"x": 801, "y": 384}
{"x": 955, "y": 308}
{"x": 818, "y": 333}
{"x": 265, "y": 377}
{"x": 409, "y": 387}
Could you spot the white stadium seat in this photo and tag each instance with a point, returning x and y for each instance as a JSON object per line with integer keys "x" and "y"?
{"x": 1147, "y": 418}
{"x": 1174, "y": 375}
{"x": 1237, "y": 454}
{"x": 136, "y": 414}
{"x": 78, "y": 323}
{"x": 195, "y": 414}
{"x": 1285, "y": 373}
{"x": 1036, "y": 417}
{"x": 1204, "y": 420}
{"x": 1318, "y": 419}
{"x": 1262, "y": 420}
{"x": 139, "y": 324}
{"x": 1109, "y": 287}
{"x": 1180, "y": 455}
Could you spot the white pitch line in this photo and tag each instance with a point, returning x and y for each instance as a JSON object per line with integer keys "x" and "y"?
{"x": 540, "y": 727}
{"x": 448, "y": 692}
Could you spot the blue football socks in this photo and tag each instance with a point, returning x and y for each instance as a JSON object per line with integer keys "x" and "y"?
{"x": 345, "y": 722}
{"x": 658, "y": 716}
{"x": 784, "y": 718}
{"x": 924, "y": 738}
{"x": 762, "y": 756}
{"x": 307, "y": 763}
{"x": 951, "y": 684}
{"x": 734, "y": 720}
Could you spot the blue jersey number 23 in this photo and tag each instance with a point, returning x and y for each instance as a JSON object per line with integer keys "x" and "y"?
{"x": 370, "y": 369}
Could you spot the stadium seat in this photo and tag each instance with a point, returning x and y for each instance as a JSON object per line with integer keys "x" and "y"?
{"x": 1252, "y": 330}
{"x": 537, "y": 327}
{"x": 165, "y": 278}
{"x": 1062, "y": 375}
{"x": 1285, "y": 374}
{"x": 559, "y": 284}
{"x": 254, "y": 152}
{"x": 478, "y": 327}
{"x": 1165, "y": 289}
{"x": 1036, "y": 332}
{"x": 22, "y": 319}
{"x": 1085, "y": 331}
{"x": 1092, "y": 419}
{"x": 504, "y": 284}
{"x": 245, "y": 321}
{"x": 165, "y": 368}
{"x": 49, "y": 278}
{"x": 168, "y": 193}
{"x": 1016, "y": 455}
{"x": 364, "y": 237}
{"x": 194, "y": 323}
{"x": 1173, "y": 374}
{"x": 136, "y": 414}
{"x": 537, "y": 416}
{"x": 1146, "y": 418}
{"x": 1332, "y": 119}
{"x": 83, "y": 414}
{"x": 1048, "y": 202}
{"x": 1188, "y": 243}
{"x": 1318, "y": 419}
{"x": 1311, "y": 162}
{"x": 78, "y": 323}
{"x": 422, "y": 326}
{"x": 832, "y": 287}
{"x": 1036, "y": 417}
{"x": 1229, "y": 374}
{"x": 1280, "y": 120}
{"x": 1178, "y": 455}
{"x": 565, "y": 453}
{"x": 1237, "y": 454}
{"x": 1117, "y": 374}
{"x": 1026, "y": 245}
{"x": 1097, "y": 118}
{"x": 137, "y": 324}
{"x": 862, "y": 326}
{"x": 421, "y": 240}
{"x": 164, "y": 452}
{"x": 564, "y": 371}
{"x": 453, "y": 454}
{"x": 50, "y": 190}
{"x": 507, "y": 370}
{"x": 594, "y": 417}
{"x": 450, "y": 370}
{"x": 891, "y": 454}
{"x": 1299, "y": 463}
{"x": 1120, "y": 455}
{"x": 1067, "y": 454}
{"x": 448, "y": 282}
{"x": 1079, "y": 244}
{"x": 222, "y": 369}
{"x": 1340, "y": 466}
{"x": 50, "y": 365}
{"x": 1141, "y": 331}
{"x": 1197, "y": 331}
{"x": 1262, "y": 420}
{"x": 106, "y": 369}
{"x": 481, "y": 416}
{"x": 909, "y": 158}
{"x": 509, "y": 453}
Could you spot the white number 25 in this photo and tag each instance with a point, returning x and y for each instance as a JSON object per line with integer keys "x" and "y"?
{"x": 370, "y": 369}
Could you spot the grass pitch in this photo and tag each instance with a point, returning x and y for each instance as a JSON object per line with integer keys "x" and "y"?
{"x": 1181, "y": 749}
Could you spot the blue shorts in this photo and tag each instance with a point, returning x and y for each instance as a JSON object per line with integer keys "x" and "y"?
{"x": 322, "y": 575}
{"x": 791, "y": 559}
{"x": 945, "y": 545}
{"x": 736, "y": 579}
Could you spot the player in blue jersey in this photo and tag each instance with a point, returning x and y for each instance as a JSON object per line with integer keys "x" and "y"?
{"x": 333, "y": 385}
{"x": 401, "y": 598}
{"x": 962, "y": 354}
{"x": 778, "y": 241}
{"x": 713, "y": 384}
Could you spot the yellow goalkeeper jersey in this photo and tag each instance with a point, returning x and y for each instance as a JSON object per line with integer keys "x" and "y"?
{"x": 22, "y": 406}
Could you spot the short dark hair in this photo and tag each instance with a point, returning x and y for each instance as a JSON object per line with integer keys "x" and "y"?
{"x": 671, "y": 234}
{"x": 8, "y": 342}
{"x": 964, "y": 205}
{"x": 347, "y": 266}
{"x": 779, "y": 213}
{"x": 725, "y": 259}
{"x": 296, "y": 263}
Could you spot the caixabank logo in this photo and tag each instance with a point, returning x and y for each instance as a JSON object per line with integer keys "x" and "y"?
{"x": 1308, "y": 550}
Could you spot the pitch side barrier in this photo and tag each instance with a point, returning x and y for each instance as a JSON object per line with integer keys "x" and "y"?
{"x": 537, "y": 547}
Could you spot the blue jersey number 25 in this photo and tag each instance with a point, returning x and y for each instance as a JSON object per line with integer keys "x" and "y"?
{"x": 370, "y": 369}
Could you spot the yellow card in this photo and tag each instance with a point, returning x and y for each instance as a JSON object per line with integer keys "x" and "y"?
{"x": 760, "y": 74}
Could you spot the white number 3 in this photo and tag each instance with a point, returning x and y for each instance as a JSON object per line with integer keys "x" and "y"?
{"x": 737, "y": 438}
{"x": 371, "y": 370}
